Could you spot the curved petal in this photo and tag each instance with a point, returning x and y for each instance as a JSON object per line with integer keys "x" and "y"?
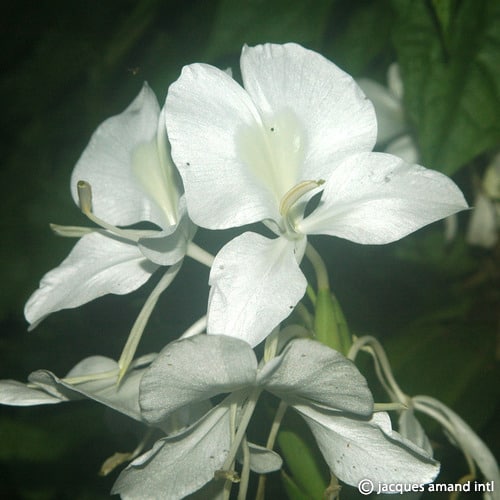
{"x": 97, "y": 265}
{"x": 310, "y": 373}
{"x": 179, "y": 465}
{"x": 195, "y": 369}
{"x": 388, "y": 109}
{"x": 128, "y": 166}
{"x": 357, "y": 449}
{"x": 405, "y": 148}
{"x": 256, "y": 282}
{"x": 170, "y": 246}
{"x": 317, "y": 110}
{"x": 14, "y": 393}
{"x": 206, "y": 113}
{"x": 377, "y": 198}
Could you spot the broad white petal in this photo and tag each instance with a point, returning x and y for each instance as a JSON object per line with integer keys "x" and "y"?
{"x": 14, "y": 393}
{"x": 97, "y": 265}
{"x": 195, "y": 369}
{"x": 128, "y": 166}
{"x": 318, "y": 112}
{"x": 357, "y": 449}
{"x": 388, "y": 109}
{"x": 377, "y": 198}
{"x": 256, "y": 282}
{"x": 464, "y": 436}
{"x": 310, "y": 373}
{"x": 179, "y": 465}
{"x": 482, "y": 229}
{"x": 215, "y": 132}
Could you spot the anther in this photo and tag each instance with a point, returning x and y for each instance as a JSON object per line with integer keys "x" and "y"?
{"x": 294, "y": 194}
{"x": 84, "y": 196}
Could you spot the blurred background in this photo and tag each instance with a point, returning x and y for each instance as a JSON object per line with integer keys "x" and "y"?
{"x": 67, "y": 66}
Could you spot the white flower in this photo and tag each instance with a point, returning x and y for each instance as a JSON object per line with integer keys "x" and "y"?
{"x": 318, "y": 382}
{"x": 259, "y": 153}
{"x": 125, "y": 176}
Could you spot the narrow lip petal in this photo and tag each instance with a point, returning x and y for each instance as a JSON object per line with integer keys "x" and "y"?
{"x": 205, "y": 111}
{"x": 118, "y": 150}
{"x": 377, "y": 198}
{"x": 97, "y": 265}
{"x": 256, "y": 282}
{"x": 335, "y": 117}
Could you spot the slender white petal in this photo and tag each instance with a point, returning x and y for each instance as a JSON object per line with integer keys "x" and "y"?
{"x": 179, "y": 465}
{"x": 195, "y": 369}
{"x": 377, "y": 198}
{"x": 206, "y": 113}
{"x": 410, "y": 428}
{"x": 310, "y": 373}
{"x": 256, "y": 282}
{"x": 482, "y": 229}
{"x": 357, "y": 449}
{"x": 318, "y": 112}
{"x": 14, "y": 393}
{"x": 98, "y": 264}
{"x": 463, "y": 435}
{"x": 131, "y": 176}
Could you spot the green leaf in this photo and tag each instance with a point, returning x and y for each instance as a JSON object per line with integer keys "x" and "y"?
{"x": 449, "y": 64}
{"x": 292, "y": 490}
{"x": 257, "y": 21}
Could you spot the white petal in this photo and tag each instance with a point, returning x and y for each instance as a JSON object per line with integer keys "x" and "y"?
{"x": 377, "y": 198}
{"x": 410, "y": 428}
{"x": 263, "y": 460}
{"x": 128, "y": 166}
{"x": 169, "y": 247}
{"x": 482, "y": 229}
{"x": 388, "y": 108}
{"x": 97, "y": 265}
{"x": 316, "y": 109}
{"x": 405, "y": 148}
{"x": 182, "y": 464}
{"x": 256, "y": 282}
{"x": 310, "y": 373}
{"x": 206, "y": 113}
{"x": 15, "y": 393}
{"x": 466, "y": 438}
{"x": 357, "y": 449}
{"x": 195, "y": 369}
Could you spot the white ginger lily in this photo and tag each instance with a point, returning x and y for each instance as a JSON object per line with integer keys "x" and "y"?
{"x": 125, "y": 176}
{"x": 259, "y": 153}
{"x": 318, "y": 382}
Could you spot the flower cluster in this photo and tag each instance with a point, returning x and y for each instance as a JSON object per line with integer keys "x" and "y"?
{"x": 290, "y": 149}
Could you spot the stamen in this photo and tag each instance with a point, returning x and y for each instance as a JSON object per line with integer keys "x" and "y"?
{"x": 294, "y": 194}
{"x": 85, "y": 200}
{"x": 396, "y": 406}
{"x": 71, "y": 231}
